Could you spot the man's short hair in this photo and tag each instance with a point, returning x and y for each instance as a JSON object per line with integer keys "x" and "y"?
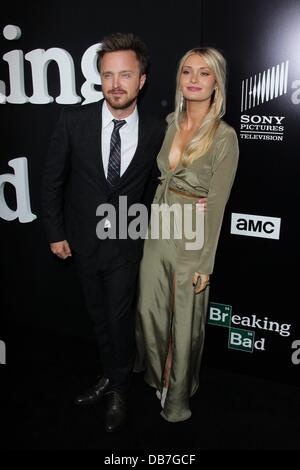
{"x": 125, "y": 42}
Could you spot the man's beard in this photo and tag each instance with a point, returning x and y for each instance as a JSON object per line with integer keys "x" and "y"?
{"x": 121, "y": 105}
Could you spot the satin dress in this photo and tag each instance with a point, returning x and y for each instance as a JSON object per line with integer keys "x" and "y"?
{"x": 168, "y": 309}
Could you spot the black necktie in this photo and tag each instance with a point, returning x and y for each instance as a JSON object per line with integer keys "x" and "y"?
{"x": 114, "y": 162}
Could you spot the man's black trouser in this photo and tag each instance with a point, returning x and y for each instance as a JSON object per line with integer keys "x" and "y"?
{"x": 109, "y": 285}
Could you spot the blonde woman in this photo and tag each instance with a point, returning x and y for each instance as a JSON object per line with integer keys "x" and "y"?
{"x": 198, "y": 158}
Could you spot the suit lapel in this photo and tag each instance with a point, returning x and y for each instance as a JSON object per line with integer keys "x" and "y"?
{"x": 95, "y": 133}
{"x": 95, "y": 126}
{"x": 140, "y": 153}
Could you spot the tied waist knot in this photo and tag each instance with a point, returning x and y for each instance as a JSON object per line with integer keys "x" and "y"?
{"x": 178, "y": 189}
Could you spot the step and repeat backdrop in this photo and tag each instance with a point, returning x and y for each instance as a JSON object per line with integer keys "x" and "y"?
{"x": 48, "y": 60}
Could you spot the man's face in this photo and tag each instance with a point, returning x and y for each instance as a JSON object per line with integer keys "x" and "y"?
{"x": 120, "y": 78}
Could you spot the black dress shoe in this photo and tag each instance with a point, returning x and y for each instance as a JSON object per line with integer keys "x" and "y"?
{"x": 116, "y": 411}
{"x": 94, "y": 394}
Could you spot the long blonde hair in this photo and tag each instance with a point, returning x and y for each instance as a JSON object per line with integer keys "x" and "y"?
{"x": 203, "y": 137}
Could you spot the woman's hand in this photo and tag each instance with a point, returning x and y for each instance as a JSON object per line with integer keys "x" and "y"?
{"x": 202, "y": 279}
{"x": 201, "y": 204}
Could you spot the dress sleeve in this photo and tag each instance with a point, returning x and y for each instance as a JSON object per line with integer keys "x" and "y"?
{"x": 223, "y": 173}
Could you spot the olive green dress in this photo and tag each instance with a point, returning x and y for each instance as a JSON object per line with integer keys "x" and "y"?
{"x": 167, "y": 306}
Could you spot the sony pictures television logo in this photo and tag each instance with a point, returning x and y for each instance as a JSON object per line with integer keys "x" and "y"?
{"x": 265, "y": 86}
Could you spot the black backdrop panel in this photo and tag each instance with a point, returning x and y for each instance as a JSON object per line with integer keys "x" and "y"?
{"x": 253, "y": 274}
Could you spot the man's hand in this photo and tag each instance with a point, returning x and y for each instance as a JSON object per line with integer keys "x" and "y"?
{"x": 61, "y": 249}
{"x": 204, "y": 281}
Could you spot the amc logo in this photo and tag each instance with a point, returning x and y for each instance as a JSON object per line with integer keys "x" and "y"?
{"x": 255, "y": 225}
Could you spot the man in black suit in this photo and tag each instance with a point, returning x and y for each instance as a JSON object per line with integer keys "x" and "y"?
{"x": 99, "y": 152}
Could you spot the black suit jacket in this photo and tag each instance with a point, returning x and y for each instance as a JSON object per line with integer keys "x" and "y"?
{"x": 74, "y": 183}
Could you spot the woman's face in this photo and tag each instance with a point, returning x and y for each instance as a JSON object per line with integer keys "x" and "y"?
{"x": 197, "y": 80}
